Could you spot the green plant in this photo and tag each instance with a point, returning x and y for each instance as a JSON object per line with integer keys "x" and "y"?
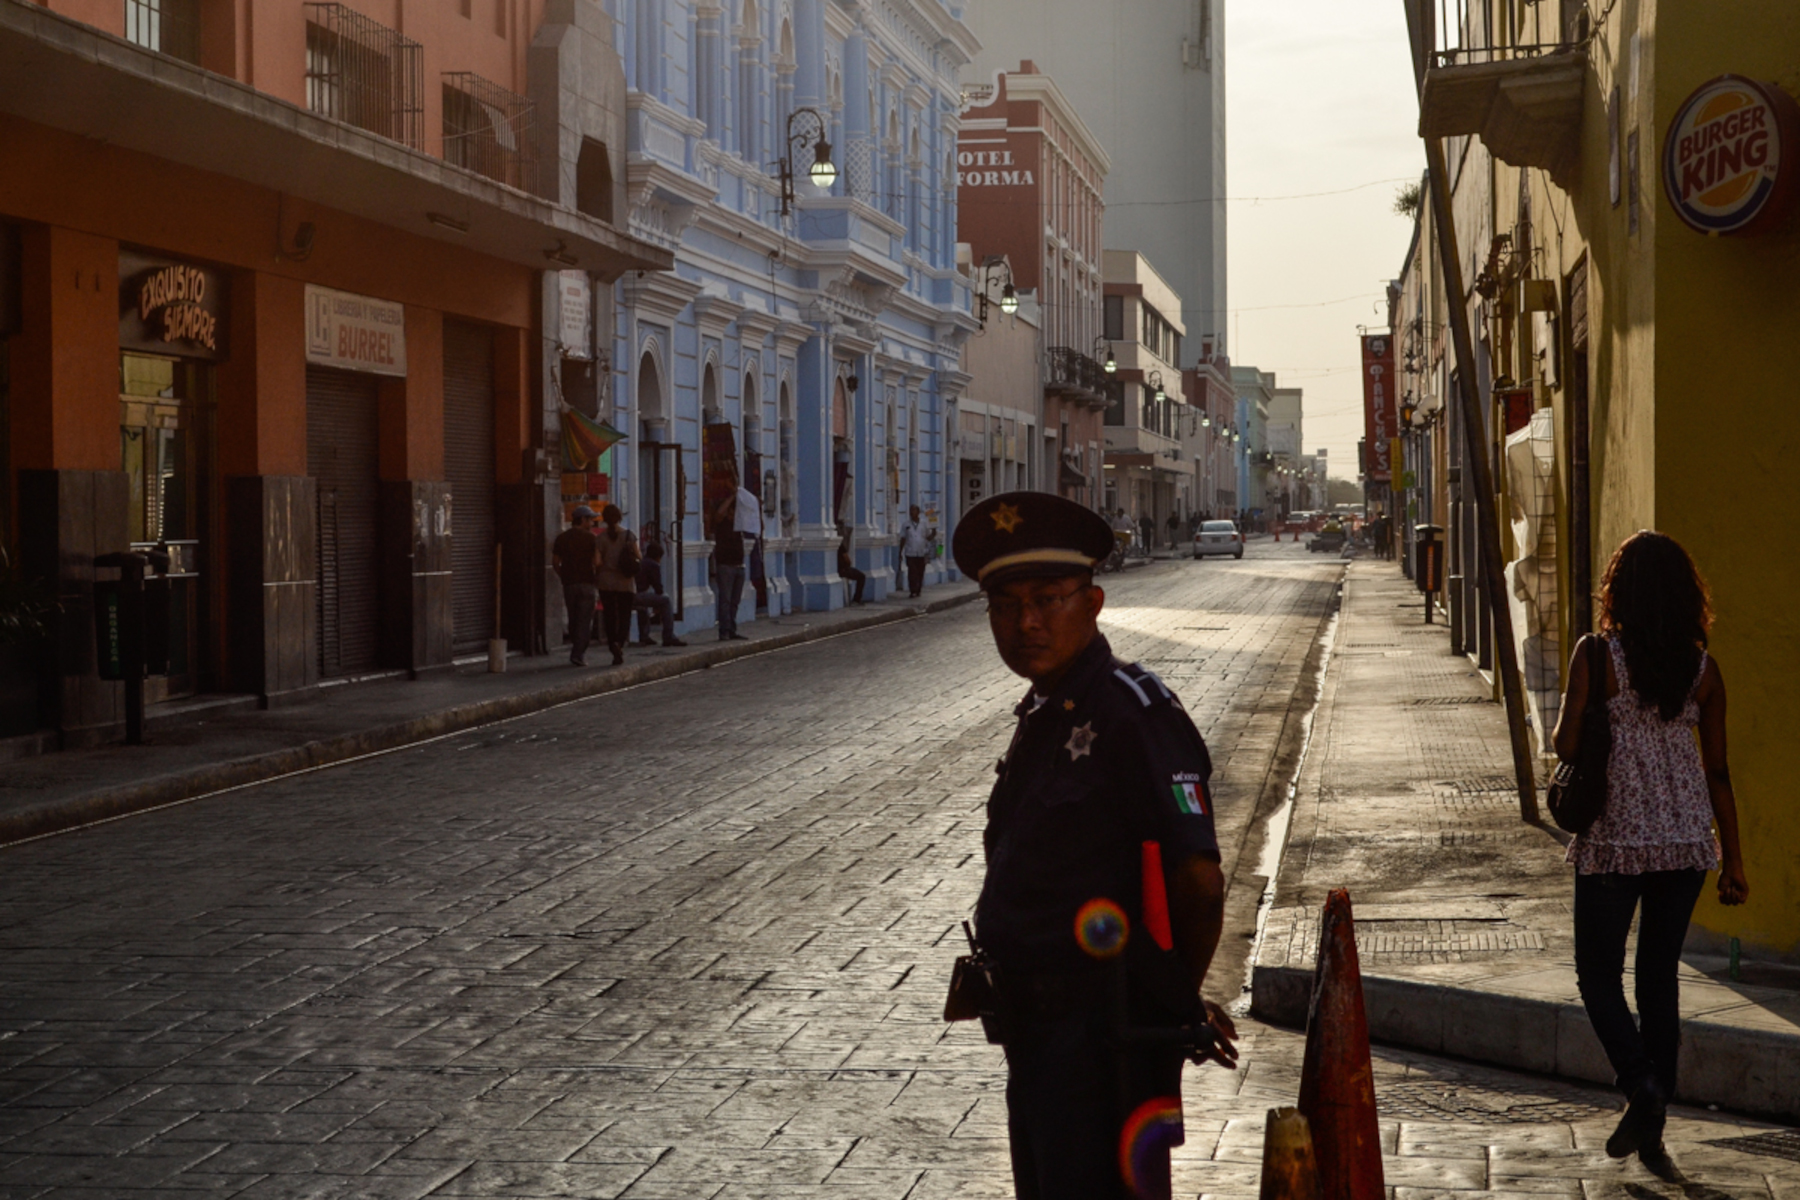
{"x": 1407, "y": 201}
{"x": 25, "y": 604}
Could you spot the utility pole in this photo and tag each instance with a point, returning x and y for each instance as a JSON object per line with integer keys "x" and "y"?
{"x": 1493, "y": 567}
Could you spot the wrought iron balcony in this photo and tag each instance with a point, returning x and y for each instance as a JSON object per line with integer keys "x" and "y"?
{"x": 488, "y": 130}
{"x": 1069, "y": 372}
{"x": 1523, "y": 101}
{"x": 363, "y": 73}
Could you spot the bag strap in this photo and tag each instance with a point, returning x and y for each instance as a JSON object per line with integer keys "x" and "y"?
{"x": 1598, "y": 653}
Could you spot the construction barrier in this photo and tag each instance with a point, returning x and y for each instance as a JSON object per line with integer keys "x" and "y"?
{"x": 1289, "y": 1171}
{"x": 1337, "y": 1081}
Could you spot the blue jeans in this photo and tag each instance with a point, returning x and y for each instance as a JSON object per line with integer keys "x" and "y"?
{"x": 1604, "y": 904}
{"x": 731, "y": 592}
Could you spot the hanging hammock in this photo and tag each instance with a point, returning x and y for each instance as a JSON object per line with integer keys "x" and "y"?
{"x": 585, "y": 439}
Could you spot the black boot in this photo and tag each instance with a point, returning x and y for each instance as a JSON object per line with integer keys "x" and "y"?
{"x": 1642, "y": 1123}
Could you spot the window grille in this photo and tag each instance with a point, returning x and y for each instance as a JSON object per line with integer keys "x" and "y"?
{"x": 488, "y": 130}
{"x": 169, "y": 27}
{"x": 364, "y": 74}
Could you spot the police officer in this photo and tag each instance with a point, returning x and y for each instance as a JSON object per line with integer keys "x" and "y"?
{"x": 1103, "y": 898}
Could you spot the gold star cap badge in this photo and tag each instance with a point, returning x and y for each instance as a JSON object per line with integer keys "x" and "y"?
{"x": 1007, "y": 518}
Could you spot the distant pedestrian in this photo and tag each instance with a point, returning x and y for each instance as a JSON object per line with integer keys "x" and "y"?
{"x": 1174, "y": 525}
{"x": 846, "y": 561}
{"x": 1147, "y": 524}
{"x": 1653, "y": 843}
{"x": 728, "y": 568}
{"x": 574, "y": 555}
{"x": 915, "y": 547}
{"x": 652, "y": 603}
{"x": 619, "y": 559}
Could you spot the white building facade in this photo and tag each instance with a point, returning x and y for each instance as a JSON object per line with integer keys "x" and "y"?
{"x": 808, "y": 346}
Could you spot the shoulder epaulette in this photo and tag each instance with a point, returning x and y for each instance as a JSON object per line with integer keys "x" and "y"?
{"x": 1143, "y": 684}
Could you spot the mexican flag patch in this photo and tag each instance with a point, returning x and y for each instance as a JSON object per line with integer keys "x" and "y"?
{"x": 1190, "y": 798}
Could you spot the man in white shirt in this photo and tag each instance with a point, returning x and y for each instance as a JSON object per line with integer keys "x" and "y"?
{"x": 915, "y": 546}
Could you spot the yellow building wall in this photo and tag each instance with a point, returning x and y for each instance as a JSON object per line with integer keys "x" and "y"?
{"x": 1727, "y": 433}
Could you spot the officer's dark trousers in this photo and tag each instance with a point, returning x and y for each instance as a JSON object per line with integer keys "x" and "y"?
{"x": 1065, "y": 1110}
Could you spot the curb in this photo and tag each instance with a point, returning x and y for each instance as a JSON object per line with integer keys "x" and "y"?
{"x": 107, "y": 804}
{"x": 1736, "y": 1068}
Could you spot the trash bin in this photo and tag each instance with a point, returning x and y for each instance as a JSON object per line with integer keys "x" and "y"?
{"x": 1428, "y": 562}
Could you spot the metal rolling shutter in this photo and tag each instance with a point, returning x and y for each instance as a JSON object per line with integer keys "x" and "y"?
{"x": 469, "y": 467}
{"x": 342, "y": 448}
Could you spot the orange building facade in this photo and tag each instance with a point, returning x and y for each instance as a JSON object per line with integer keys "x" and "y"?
{"x": 277, "y": 278}
{"x": 1031, "y": 184}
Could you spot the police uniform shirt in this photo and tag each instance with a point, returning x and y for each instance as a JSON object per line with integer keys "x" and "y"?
{"x": 1106, "y": 762}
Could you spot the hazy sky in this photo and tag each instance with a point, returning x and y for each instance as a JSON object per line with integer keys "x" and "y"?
{"x": 1319, "y": 99}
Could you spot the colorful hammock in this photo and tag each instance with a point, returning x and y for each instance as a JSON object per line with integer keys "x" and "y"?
{"x": 585, "y": 439}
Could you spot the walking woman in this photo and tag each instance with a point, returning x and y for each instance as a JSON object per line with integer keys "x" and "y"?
{"x": 1653, "y": 843}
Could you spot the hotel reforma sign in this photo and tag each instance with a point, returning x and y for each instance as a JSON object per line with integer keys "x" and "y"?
{"x": 1731, "y": 156}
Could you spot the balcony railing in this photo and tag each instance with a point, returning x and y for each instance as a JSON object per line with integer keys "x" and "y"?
{"x": 489, "y": 130}
{"x": 169, "y": 27}
{"x": 1070, "y": 370}
{"x": 362, "y": 73}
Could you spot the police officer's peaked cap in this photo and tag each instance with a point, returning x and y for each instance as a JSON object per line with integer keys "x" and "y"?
{"x": 1020, "y": 535}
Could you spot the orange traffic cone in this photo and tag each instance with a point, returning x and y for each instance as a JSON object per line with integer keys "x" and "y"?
{"x": 1337, "y": 1083}
{"x": 1289, "y": 1170}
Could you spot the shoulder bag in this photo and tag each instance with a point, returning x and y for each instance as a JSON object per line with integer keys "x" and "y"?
{"x": 630, "y": 559}
{"x": 1578, "y": 791}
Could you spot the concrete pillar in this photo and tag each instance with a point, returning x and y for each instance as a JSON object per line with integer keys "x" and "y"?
{"x": 72, "y": 493}
{"x": 271, "y": 504}
{"x": 416, "y": 520}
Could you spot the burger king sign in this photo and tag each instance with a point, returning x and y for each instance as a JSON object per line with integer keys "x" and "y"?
{"x": 1731, "y": 156}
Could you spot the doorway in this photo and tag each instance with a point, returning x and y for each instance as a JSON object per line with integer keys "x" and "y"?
{"x": 165, "y": 442}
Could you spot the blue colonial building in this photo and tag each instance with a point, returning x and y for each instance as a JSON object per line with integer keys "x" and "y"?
{"x": 806, "y": 344}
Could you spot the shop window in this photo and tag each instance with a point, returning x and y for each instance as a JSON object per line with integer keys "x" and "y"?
{"x": 364, "y": 74}
{"x": 169, "y": 27}
{"x": 594, "y": 181}
{"x": 488, "y": 130}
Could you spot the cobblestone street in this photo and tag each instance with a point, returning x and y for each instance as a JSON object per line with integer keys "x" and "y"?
{"x": 687, "y": 940}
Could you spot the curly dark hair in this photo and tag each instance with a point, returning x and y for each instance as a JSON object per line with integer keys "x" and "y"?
{"x": 1655, "y": 602}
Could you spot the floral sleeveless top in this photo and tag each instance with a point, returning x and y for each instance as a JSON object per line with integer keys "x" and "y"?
{"x": 1658, "y": 812}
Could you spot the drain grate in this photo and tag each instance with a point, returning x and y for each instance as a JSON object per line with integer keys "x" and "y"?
{"x": 1776, "y": 1143}
{"x": 1484, "y": 783}
{"x": 1478, "y": 1104}
{"x": 1445, "y": 701}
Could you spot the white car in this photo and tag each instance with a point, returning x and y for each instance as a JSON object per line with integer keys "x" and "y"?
{"x": 1218, "y": 537}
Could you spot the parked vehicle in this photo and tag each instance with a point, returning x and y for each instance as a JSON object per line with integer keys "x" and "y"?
{"x": 1218, "y": 537}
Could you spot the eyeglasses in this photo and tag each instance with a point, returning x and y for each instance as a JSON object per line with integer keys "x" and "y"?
{"x": 1010, "y": 608}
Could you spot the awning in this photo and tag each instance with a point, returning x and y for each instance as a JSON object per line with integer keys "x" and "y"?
{"x": 1073, "y": 478}
{"x": 69, "y": 76}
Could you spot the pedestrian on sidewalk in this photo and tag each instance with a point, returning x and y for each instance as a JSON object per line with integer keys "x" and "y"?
{"x": 617, "y": 579}
{"x": 915, "y": 547}
{"x": 846, "y": 561}
{"x": 1103, "y": 761}
{"x": 1147, "y": 524}
{"x": 651, "y": 602}
{"x": 574, "y": 556}
{"x": 1174, "y": 526}
{"x": 728, "y": 568}
{"x": 1653, "y": 843}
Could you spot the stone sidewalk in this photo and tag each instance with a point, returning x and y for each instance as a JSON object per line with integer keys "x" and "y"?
{"x": 1463, "y": 910}
{"x": 218, "y": 743}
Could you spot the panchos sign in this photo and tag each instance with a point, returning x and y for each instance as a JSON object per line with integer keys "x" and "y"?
{"x": 171, "y": 308}
{"x": 1380, "y": 419}
{"x": 355, "y": 333}
{"x": 1731, "y": 154}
